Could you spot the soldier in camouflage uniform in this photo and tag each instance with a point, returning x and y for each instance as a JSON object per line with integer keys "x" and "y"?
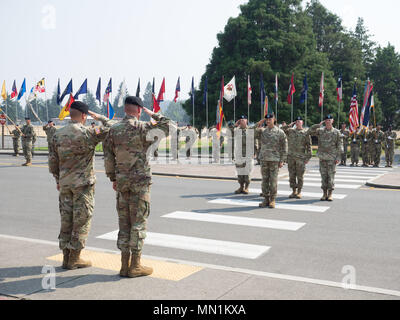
{"x": 299, "y": 154}
{"x": 364, "y": 147}
{"x": 127, "y": 166}
{"x": 28, "y": 139}
{"x": 50, "y": 130}
{"x": 330, "y": 149}
{"x": 370, "y": 146}
{"x": 378, "y": 140}
{"x": 356, "y": 140}
{"x": 243, "y": 161}
{"x": 71, "y": 163}
{"x": 390, "y": 139}
{"x": 273, "y": 154}
{"x": 16, "y": 134}
{"x": 345, "y": 137}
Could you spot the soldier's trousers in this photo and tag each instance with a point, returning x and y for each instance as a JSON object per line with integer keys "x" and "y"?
{"x": 364, "y": 154}
{"x": 327, "y": 168}
{"x": 16, "y": 146}
{"x": 243, "y": 171}
{"x": 133, "y": 211}
{"x": 377, "y": 151}
{"x": 389, "y": 155}
{"x": 27, "y": 149}
{"x": 371, "y": 154}
{"x": 355, "y": 155}
{"x": 344, "y": 154}
{"x": 76, "y": 209}
{"x": 269, "y": 172}
{"x": 297, "y": 168}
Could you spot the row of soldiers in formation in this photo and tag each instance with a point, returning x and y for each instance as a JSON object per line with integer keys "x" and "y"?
{"x": 71, "y": 154}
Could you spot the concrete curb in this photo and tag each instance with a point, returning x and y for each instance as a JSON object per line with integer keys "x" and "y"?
{"x": 382, "y": 186}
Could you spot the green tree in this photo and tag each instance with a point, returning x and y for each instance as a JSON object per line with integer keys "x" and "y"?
{"x": 147, "y": 101}
{"x": 118, "y": 109}
{"x": 368, "y": 47}
{"x": 175, "y": 112}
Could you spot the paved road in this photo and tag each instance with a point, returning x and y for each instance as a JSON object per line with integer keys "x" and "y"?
{"x": 200, "y": 222}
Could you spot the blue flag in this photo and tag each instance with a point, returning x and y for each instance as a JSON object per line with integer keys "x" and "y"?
{"x": 153, "y": 88}
{"x": 138, "y": 89}
{"x": 367, "y": 110}
{"x": 82, "y": 90}
{"x": 304, "y": 91}
{"x": 22, "y": 90}
{"x": 58, "y": 92}
{"x": 110, "y": 111}
{"x": 67, "y": 90}
{"x": 98, "y": 91}
{"x": 205, "y": 92}
{"x": 262, "y": 91}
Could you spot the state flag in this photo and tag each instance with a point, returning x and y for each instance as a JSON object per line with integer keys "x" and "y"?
{"x": 14, "y": 92}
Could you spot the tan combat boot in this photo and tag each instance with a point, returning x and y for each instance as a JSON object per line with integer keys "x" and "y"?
{"x": 294, "y": 194}
{"x": 240, "y": 190}
{"x": 246, "y": 189}
{"x": 272, "y": 203}
{"x": 125, "y": 257}
{"x": 329, "y": 197}
{"x": 75, "y": 262}
{"x": 136, "y": 269}
{"x": 298, "y": 195}
{"x": 265, "y": 203}
{"x": 325, "y": 196}
{"x": 66, "y": 258}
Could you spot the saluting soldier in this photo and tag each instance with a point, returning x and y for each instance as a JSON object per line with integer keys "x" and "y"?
{"x": 356, "y": 141}
{"x": 390, "y": 139}
{"x": 299, "y": 154}
{"x": 28, "y": 139}
{"x": 50, "y": 130}
{"x": 127, "y": 166}
{"x": 244, "y": 161}
{"x": 378, "y": 140}
{"x": 16, "y": 134}
{"x": 273, "y": 154}
{"x": 330, "y": 149}
{"x": 71, "y": 163}
{"x": 345, "y": 137}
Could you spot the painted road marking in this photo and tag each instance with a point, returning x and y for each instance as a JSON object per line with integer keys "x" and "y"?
{"x": 352, "y": 172}
{"x": 295, "y": 207}
{"x": 340, "y": 176}
{"x": 311, "y": 184}
{"x": 242, "y": 221}
{"x": 305, "y": 194}
{"x": 226, "y": 248}
{"x": 338, "y": 180}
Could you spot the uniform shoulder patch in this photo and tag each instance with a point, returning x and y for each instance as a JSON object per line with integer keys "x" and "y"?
{"x": 97, "y": 130}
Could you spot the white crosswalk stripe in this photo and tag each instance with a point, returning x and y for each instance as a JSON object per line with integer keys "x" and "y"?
{"x": 242, "y": 221}
{"x": 249, "y": 203}
{"x": 318, "y": 195}
{"x": 341, "y": 175}
{"x": 226, "y": 248}
{"x": 314, "y": 184}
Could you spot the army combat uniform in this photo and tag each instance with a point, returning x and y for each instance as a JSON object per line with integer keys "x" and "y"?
{"x": 16, "y": 134}
{"x": 273, "y": 150}
{"x": 378, "y": 139}
{"x": 345, "y": 137}
{"x": 355, "y": 142}
{"x": 244, "y": 161}
{"x": 50, "y": 131}
{"x": 330, "y": 149}
{"x": 364, "y": 148}
{"x": 370, "y": 147}
{"x": 126, "y": 163}
{"x": 71, "y": 163}
{"x": 390, "y": 139}
{"x": 28, "y": 139}
{"x": 299, "y": 153}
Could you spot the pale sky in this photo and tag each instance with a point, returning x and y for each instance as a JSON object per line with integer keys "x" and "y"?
{"x": 130, "y": 39}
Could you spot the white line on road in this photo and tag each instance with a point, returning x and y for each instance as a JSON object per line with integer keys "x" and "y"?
{"x": 326, "y": 283}
{"x": 226, "y": 248}
{"x": 340, "y": 176}
{"x": 295, "y": 207}
{"x": 338, "y": 180}
{"x": 242, "y": 221}
{"x": 305, "y": 194}
{"x": 311, "y": 184}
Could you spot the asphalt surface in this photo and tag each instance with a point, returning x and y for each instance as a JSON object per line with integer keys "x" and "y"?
{"x": 359, "y": 232}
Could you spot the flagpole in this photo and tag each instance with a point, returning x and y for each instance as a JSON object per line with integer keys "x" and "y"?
{"x": 207, "y": 109}
{"x": 322, "y": 111}
{"x": 234, "y": 109}
{"x": 306, "y": 112}
{"x": 338, "y": 116}
{"x": 276, "y": 110}
{"x": 45, "y": 98}
{"x": 292, "y": 111}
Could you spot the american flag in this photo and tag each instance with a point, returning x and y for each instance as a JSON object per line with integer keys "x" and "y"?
{"x": 366, "y": 95}
{"x": 321, "y": 92}
{"x": 353, "y": 118}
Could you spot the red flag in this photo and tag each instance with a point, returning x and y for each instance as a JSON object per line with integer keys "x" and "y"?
{"x": 161, "y": 93}
{"x": 156, "y": 106}
{"x": 321, "y": 92}
{"x": 292, "y": 90}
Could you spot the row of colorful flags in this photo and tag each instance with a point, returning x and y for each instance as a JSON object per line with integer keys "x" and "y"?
{"x": 227, "y": 92}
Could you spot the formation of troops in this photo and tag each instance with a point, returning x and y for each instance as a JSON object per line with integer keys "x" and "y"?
{"x": 126, "y": 159}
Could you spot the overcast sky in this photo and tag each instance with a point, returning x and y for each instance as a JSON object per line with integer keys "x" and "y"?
{"x": 130, "y": 39}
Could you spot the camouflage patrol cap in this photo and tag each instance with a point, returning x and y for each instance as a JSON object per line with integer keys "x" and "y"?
{"x": 80, "y": 106}
{"x": 269, "y": 116}
{"x": 136, "y": 101}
